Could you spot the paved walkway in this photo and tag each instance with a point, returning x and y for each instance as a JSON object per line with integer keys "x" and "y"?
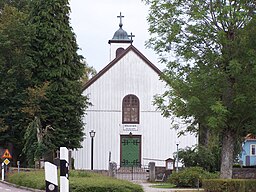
{"x": 147, "y": 188}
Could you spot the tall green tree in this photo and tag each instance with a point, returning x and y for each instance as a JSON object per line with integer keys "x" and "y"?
{"x": 54, "y": 51}
{"x": 15, "y": 77}
{"x": 212, "y": 76}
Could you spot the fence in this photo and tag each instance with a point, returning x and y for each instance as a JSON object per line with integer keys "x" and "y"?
{"x": 129, "y": 173}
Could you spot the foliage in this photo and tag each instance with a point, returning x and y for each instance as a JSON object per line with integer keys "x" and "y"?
{"x": 54, "y": 51}
{"x": 89, "y": 72}
{"x": 80, "y": 181}
{"x": 229, "y": 185}
{"x": 15, "y": 76}
{"x": 21, "y": 5}
{"x": 190, "y": 177}
{"x": 40, "y": 77}
{"x": 213, "y": 74}
{"x": 201, "y": 156}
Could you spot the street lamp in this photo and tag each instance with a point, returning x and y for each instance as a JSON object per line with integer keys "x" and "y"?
{"x": 92, "y": 135}
{"x": 177, "y": 159}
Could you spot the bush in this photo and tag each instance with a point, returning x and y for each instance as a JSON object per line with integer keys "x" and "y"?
{"x": 200, "y": 156}
{"x": 80, "y": 181}
{"x": 229, "y": 185}
{"x": 190, "y": 177}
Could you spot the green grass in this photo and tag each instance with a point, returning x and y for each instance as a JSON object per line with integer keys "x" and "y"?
{"x": 32, "y": 179}
{"x": 80, "y": 181}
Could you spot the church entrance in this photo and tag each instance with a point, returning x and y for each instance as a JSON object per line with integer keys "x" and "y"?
{"x": 130, "y": 151}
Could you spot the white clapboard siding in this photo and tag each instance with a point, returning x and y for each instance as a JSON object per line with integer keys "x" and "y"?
{"x": 129, "y": 75}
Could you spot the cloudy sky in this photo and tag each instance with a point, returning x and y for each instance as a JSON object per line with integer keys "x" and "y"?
{"x": 95, "y": 22}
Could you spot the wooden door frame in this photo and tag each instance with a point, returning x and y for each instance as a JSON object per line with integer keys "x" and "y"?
{"x": 130, "y": 136}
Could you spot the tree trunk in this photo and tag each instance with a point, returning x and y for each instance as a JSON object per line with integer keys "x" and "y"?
{"x": 227, "y": 154}
{"x": 204, "y": 134}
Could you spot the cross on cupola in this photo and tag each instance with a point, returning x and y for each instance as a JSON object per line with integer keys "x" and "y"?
{"x": 120, "y": 16}
{"x": 131, "y": 36}
{"x": 120, "y": 41}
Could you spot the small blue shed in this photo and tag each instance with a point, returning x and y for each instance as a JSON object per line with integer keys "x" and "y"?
{"x": 248, "y": 154}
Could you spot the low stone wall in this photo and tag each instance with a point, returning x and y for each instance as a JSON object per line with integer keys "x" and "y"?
{"x": 244, "y": 173}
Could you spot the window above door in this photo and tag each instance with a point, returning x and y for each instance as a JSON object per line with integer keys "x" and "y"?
{"x": 130, "y": 109}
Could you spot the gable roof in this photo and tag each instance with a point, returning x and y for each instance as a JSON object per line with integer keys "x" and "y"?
{"x": 112, "y": 63}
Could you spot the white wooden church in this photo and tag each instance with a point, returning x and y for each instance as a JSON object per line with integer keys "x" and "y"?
{"x": 129, "y": 130}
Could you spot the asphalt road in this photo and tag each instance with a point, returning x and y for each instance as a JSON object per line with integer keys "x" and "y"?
{"x": 8, "y": 188}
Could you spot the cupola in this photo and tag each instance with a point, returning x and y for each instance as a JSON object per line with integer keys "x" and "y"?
{"x": 120, "y": 41}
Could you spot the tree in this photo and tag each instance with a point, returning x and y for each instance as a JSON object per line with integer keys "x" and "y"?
{"x": 89, "y": 72}
{"x": 213, "y": 76}
{"x": 54, "y": 51}
{"x": 15, "y": 77}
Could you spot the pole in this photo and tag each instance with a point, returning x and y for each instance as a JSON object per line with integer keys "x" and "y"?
{"x": 64, "y": 167}
{"x": 51, "y": 177}
{"x": 92, "y": 154}
{"x": 18, "y": 163}
{"x": 177, "y": 163}
{"x": 2, "y": 171}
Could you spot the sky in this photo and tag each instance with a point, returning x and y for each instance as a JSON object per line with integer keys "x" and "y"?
{"x": 94, "y": 22}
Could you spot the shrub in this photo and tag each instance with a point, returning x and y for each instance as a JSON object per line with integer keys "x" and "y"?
{"x": 229, "y": 185}
{"x": 190, "y": 177}
{"x": 200, "y": 156}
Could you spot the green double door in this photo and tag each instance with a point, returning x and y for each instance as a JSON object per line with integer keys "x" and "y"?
{"x": 130, "y": 151}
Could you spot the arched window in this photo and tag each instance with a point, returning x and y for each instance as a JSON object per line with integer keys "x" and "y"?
{"x": 131, "y": 109}
{"x": 119, "y": 51}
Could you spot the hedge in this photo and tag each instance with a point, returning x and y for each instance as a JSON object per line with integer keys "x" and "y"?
{"x": 229, "y": 185}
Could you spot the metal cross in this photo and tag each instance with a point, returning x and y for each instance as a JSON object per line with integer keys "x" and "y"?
{"x": 131, "y": 36}
{"x": 121, "y": 24}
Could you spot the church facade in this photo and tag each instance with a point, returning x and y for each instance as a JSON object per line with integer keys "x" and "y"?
{"x": 129, "y": 130}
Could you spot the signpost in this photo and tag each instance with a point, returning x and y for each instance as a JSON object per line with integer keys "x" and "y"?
{"x": 7, "y": 155}
{"x": 2, "y": 171}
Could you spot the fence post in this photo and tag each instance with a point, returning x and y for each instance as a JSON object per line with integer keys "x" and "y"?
{"x": 132, "y": 173}
{"x": 64, "y": 167}
{"x": 152, "y": 171}
{"x": 51, "y": 177}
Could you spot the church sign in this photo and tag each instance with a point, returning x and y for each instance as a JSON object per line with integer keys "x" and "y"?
{"x": 130, "y": 127}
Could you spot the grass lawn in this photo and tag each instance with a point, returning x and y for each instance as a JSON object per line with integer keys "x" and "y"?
{"x": 80, "y": 181}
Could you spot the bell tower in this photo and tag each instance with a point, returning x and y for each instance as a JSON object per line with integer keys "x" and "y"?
{"x": 120, "y": 41}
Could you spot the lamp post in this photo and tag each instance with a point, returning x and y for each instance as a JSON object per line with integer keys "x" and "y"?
{"x": 177, "y": 159}
{"x": 92, "y": 135}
